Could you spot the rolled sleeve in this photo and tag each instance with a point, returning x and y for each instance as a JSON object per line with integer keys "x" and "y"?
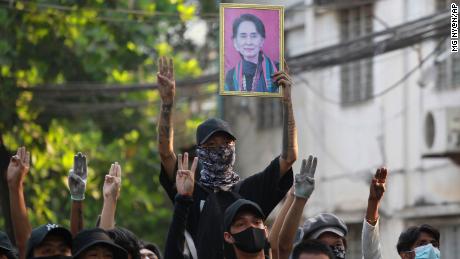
{"x": 371, "y": 241}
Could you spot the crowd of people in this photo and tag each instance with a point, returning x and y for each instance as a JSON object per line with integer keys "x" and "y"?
{"x": 216, "y": 214}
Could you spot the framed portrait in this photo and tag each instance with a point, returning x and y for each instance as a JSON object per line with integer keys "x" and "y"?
{"x": 251, "y": 49}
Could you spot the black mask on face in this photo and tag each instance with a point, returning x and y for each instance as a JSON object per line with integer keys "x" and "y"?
{"x": 251, "y": 240}
{"x": 52, "y": 257}
{"x": 338, "y": 251}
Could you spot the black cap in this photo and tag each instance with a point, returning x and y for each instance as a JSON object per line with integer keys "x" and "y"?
{"x": 38, "y": 235}
{"x": 321, "y": 223}
{"x": 211, "y": 126}
{"x": 96, "y": 236}
{"x": 5, "y": 244}
{"x": 237, "y": 206}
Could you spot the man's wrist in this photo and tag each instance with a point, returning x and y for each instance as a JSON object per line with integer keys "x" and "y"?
{"x": 110, "y": 199}
{"x": 167, "y": 103}
{"x": 372, "y": 221}
{"x": 77, "y": 197}
{"x": 373, "y": 200}
{"x": 15, "y": 185}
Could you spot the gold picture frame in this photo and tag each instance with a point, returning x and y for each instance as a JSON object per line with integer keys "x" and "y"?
{"x": 224, "y": 89}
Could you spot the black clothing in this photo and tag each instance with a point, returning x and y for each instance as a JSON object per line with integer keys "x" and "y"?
{"x": 205, "y": 221}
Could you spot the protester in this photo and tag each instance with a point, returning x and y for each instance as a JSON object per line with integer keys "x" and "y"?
{"x": 49, "y": 240}
{"x": 275, "y": 230}
{"x": 95, "y": 243}
{"x": 111, "y": 191}
{"x": 7, "y": 250}
{"x": 245, "y": 229}
{"x": 17, "y": 169}
{"x": 414, "y": 243}
{"x": 252, "y": 73}
{"x": 312, "y": 249}
{"x": 303, "y": 188}
{"x": 370, "y": 234}
{"x": 127, "y": 240}
{"x": 185, "y": 183}
{"x": 77, "y": 186}
{"x": 419, "y": 242}
{"x": 150, "y": 251}
{"x": 218, "y": 184}
{"x": 329, "y": 229}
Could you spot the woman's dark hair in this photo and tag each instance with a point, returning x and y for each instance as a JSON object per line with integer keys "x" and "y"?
{"x": 311, "y": 246}
{"x": 408, "y": 237}
{"x": 127, "y": 240}
{"x": 152, "y": 247}
{"x": 250, "y": 18}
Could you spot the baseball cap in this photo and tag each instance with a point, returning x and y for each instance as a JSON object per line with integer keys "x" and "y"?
{"x": 39, "y": 234}
{"x": 7, "y": 246}
{"x": 322, "y": 223}
{"x": 237, "y": 206}
{"x": 210, "y": 126}
{"x": 96, "y": 236}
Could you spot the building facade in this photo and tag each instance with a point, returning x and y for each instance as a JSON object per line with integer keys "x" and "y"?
{"x": 364, "y": 114}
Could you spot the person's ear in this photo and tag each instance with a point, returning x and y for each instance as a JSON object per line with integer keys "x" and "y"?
{"x": 266, "y": 231}
{"x": 262, "y": 43}
{"x": 229, "y": 238}
{"x": 406, "y": 256}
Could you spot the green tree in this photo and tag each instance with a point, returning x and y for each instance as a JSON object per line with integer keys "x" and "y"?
{"x": 68, "y": 42}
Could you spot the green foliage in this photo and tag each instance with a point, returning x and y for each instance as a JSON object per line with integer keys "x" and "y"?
{"x": 92, "y": 41}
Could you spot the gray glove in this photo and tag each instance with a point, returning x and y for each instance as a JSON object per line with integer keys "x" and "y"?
{"x": 304, "y": 182}
{"x": 77, "y": 178}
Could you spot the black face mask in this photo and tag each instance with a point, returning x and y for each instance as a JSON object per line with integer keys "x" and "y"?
{"x": 251, "y": 240}
{"x": 338, "y": 251}
{"x": 52, "y": 257}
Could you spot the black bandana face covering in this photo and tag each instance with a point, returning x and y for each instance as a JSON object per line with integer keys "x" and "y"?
{"x": 217, "y": 172}
{"x": 251, "y": 240}
{"x": 338, "y": 251}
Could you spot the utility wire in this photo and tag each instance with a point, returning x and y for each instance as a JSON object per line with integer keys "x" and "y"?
{"x": 381, "y": 93}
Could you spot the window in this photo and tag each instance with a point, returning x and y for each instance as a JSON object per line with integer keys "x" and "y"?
{"x": 269, "y": 113}
{"x": 356, "y": 76}
{"x": 448, "y": 65}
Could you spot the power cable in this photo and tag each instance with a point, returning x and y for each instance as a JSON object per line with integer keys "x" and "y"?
{"x": 381, "y": 93}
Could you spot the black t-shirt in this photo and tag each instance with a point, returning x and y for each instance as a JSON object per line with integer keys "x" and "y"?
{"x": 205, "y": 219}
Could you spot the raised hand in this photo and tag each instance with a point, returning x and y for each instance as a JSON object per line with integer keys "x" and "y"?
{"x": 185, "y": 178}
{"x": 166, "y": 82}
{"x": 19, "y": 166}
{"x": 305, "y": 180}
{"x": 283, "y": 79}
{"x": 77, "y": 177}
{"x": 112, "y": 183}
{"x": 378, "y": 184}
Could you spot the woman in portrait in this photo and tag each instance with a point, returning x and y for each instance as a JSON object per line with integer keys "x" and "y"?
{"x": 253, "y": 72}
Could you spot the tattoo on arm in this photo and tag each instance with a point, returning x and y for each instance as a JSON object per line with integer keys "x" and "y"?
{"x": 289, "y": 132}
{"x": 165, "y": 129}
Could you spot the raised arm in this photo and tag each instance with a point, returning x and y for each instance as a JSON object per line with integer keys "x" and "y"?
{"x": 77, "y": 185}
{"x": 276, "y": 228}
{"x": 370, "y": 233}
{"x": 303, "y": 188}
{"x": 167, "y": 89}
{"x": 17, "y": 170}
{"x": 111, "y": 190}
{"x": 289, "y": 148}
{"x": 185, "y": 182}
